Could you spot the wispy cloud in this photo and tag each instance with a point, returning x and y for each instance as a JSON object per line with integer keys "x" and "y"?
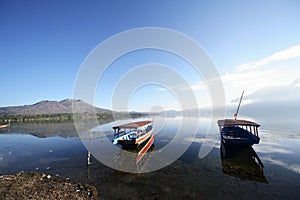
{"x": 291, "y": 52}
{"x": 251, "y": 77}
{"x": 274, "y": 70}
{"x": 236, "y": 82}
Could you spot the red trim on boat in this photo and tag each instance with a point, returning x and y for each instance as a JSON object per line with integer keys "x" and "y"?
{"x": 143, "y": 138}
{"x": 144, "y": 149}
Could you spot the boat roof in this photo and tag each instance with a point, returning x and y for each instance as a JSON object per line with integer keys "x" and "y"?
{"x": 236, "y": 122}
{"x": 133, "y": 125}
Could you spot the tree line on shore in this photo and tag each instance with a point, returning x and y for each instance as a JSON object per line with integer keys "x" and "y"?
{"x": 6, "y": 118}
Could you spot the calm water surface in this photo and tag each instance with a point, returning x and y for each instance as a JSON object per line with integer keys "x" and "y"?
{"x": 55, "y": 148}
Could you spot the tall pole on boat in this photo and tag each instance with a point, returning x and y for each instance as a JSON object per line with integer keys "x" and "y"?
{"x": 238, "y": 108}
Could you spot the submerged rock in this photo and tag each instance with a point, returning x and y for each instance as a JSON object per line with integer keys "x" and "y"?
{"x": 35, "y": 185}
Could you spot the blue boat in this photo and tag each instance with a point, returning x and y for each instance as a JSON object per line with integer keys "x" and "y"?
{"x": 238, "y": 132}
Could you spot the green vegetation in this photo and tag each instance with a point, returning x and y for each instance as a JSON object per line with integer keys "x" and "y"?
{"x": 64, "y": 117}
{"x": 34, "y": 118}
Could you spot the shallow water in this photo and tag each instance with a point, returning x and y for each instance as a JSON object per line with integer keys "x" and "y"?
{"x": 216, "y": 176}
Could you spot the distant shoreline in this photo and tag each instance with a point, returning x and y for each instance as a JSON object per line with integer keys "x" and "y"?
{"x": 63, "y": 117}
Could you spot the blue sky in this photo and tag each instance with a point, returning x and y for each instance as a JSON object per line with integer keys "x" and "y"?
{"x": 43, "y": 44}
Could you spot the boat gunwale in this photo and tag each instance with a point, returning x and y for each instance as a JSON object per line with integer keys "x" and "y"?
{"x": 233, "y": 122}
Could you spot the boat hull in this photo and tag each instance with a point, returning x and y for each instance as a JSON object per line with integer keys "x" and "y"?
{"x": 131, "y": 135}
{"x": 4, "y": 126}
{"x": 135, "y": 143}
{"x": 238, "y": 136}
{"x": 127, "y": 143}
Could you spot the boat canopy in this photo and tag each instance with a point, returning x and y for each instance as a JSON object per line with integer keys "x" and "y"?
{"x": 233, "y": 122}
{"x": 134, "y": 125}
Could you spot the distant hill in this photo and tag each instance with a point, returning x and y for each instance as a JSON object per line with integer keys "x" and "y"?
{"x": 53, "y": 107}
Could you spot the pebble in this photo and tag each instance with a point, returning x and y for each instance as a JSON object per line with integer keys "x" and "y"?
{"x": 48, "y": 187}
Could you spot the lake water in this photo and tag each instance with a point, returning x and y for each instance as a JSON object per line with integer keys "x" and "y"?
{"x": 55, "y": 148}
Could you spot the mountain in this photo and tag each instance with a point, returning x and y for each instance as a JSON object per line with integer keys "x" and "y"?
{"x": 53, "y": 107}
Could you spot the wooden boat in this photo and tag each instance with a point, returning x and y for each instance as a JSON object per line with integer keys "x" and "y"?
{"x": 133, "y": 134}
{"x": 134, "y": 160}
{"x": 4, "y": 125}
{"x": 238, "y": 132}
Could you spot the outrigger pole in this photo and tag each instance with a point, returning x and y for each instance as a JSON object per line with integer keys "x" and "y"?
{"x": 238, "y": 108}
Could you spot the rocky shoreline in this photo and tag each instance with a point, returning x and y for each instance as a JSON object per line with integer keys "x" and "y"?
{"x": 36, "y": 185}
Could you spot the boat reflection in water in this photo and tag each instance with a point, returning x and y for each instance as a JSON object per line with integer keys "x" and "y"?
{"x": 242, "y": 162}
{"x": 135, "y": 159}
